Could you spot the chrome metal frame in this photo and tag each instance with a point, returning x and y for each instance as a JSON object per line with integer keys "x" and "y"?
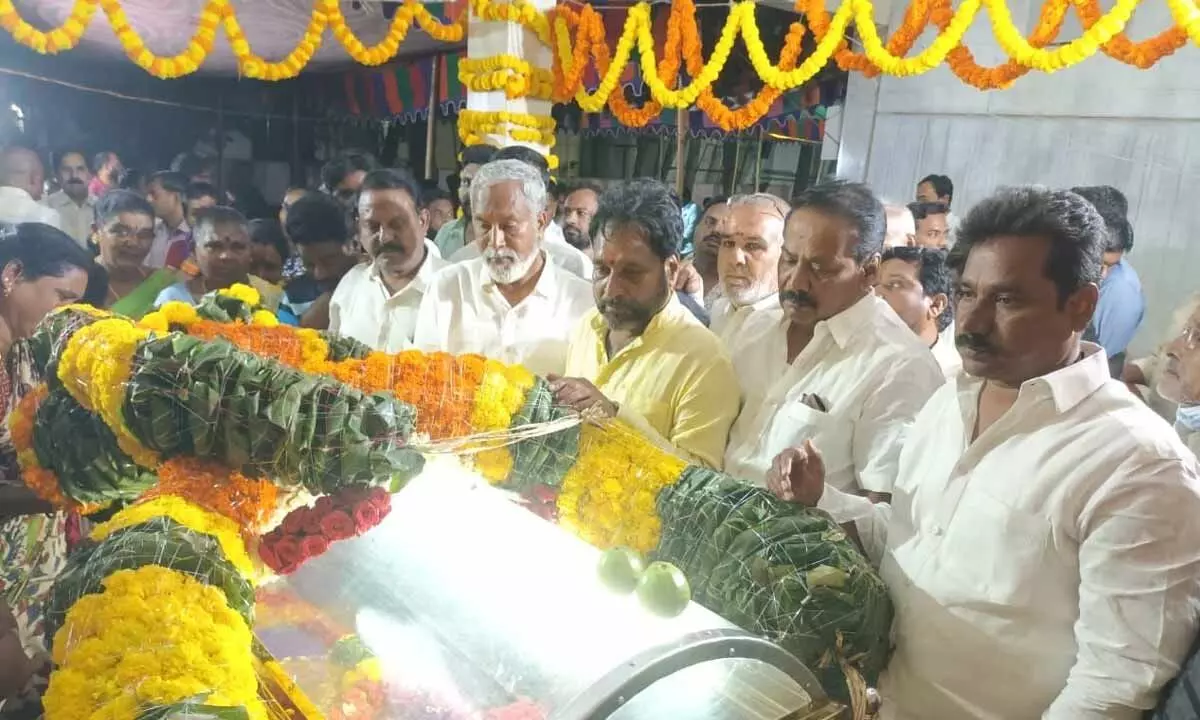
{"x": 621, "y": 684}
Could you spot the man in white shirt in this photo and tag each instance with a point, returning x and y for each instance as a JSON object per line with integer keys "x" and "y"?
{"x": 748, "y": 263}
{"x": 559, "y": 252}
{"x": 376, "y": 302}
{"x": 75, "y": 207}
{"x": 1041, "y": 547}
{"x": 916, "y": 283}
{"x": 839, "y": 367}
{"x": 578, "y": 208}
{"x": 511, "y": 304}
{"x": 21, "y": 179}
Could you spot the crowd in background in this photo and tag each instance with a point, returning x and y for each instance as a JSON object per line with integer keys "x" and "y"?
{"x": 948, "y": 387}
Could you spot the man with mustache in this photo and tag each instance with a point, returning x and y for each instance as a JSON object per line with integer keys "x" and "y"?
{"x": 377, "y": 301}
{"x": 640, "y": 355}
{"x": 456, "y": 234}
{"x": 76, "y": 208}
{"x": 748, "y": 263}
{"x": 578, "y": 208}
{"x": 1041, "y": 547}
{"x": 706, "y": 239}
{"x": 316, "y": 225}
{"x": 838, "y": 367}
{"x": 511, "y": 303}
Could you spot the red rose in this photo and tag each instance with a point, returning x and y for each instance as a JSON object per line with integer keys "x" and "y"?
{"x": 290, "y": 555}
{"x": 310, "y": 524}
{"x": 352, "y": 495}
{"x": 337, "y": 525}
{"x": 323, "y": 505}
{"x": 544, "y": 495}
{"x": 314, "y": 546}
{"x": 381, "y": 499}
{"x": 293, "y": 522}
{"x": 366, "y": 516}
{"x": 267, "y": 553}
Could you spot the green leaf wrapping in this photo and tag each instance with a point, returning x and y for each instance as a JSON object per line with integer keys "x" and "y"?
{"x": 193, "y": 709}
{"x": 49, "y": 339}
{"x": 160, "y": 541}
{"x": 342, "y": 347}
{"x": 544, "y": 459}
{"x": 211, "y": 400}
{"x": 746, "y": 555}
{"x": 80, "y": 449}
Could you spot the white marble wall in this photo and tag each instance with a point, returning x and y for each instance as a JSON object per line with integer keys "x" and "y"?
{"x": 1099, "y": 123}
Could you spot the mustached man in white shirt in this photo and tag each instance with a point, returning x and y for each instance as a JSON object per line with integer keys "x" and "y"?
{"x": 838, "y": 368}
{"x": 512, "y": 304}
{"x": 22, "y": 177}
{"x": 377, "y": 301}
{"x": 748, "y": 263}
{"x": 1042, "y": 547}
{"x": 916, "y": 283}
{"x": 75, "y": 207}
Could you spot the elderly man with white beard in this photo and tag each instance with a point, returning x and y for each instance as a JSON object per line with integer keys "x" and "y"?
{"x": 509, "y": 304}
{"x": 747, "y": 264}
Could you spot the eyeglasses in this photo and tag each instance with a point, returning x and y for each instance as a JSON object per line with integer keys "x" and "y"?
{"x": 120, "y": 231}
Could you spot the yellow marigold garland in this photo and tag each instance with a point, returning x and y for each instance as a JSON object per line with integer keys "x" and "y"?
{"x": 517, "y": 11}
{"x": 474, "y": 125}
{"x": 516, "y": 77}
{"x": 154, "y": 636}
{"x": 195, "y": 518}
{"x": 500, "y": 395}
{"x": 63, "y": 37}
{"x": 608, "y": 496}
{"x": 95, "y": 367}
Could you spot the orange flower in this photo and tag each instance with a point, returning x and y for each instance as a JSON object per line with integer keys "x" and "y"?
{"x": 753, "y": 111}
{"x": 1139, "y": 54}
{"x": 249, "y": 502}
{"x": 44, "y": 483}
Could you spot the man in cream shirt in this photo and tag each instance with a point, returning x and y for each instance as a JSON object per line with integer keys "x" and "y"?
{"x": 915, "y": 281}
{"x": 748, "y": 263}
{"x": 839, "y": 367}
{"x": 640, "y": 355}
{"x": 1041, "y": 547}
{"x": 377, "y": 301}
{"x": 75, "y": 207}
{"x": 511, "y": 304}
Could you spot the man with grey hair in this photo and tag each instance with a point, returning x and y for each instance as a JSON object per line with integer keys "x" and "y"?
{"x": 748, "y": 262}
{"x": 510, "y": 303}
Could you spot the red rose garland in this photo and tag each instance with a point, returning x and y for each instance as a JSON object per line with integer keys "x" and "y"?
{"x": 307, "y": 532}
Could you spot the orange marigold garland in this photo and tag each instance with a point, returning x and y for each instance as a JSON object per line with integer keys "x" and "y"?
{"x": 249, "y": 502}
{"x": 1142, "y": 54}
{"x": 962, "y": 62}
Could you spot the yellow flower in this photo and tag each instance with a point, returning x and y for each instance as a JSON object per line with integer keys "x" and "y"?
{"x": 266, "y": 318}
{"x": 245, "y": 293}
{"x": 155, "y": 321}
{"x": 180, "y": 313}
{"x": 194, "y": 518}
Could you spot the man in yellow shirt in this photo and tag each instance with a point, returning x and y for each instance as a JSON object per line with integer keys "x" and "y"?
{"x": 640, "y": 356}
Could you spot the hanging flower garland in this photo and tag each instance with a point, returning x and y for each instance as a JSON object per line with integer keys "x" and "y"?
{"x": 521, "y": 12}
{"x": 307, "y": 532}
{"x": 1187, "y": 17}
{"x": 1017, "y": 47}
{"x": 516, "y": 77}
{"x": 962, "y": 62}
{"x": 1142, "y": 54}
{"x": 474, "y": 126}
{"x": 63, "y": 37}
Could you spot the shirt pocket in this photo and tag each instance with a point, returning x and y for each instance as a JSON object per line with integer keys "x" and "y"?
{"x": 833, "y": 436}
{"x": 998, "y": 552}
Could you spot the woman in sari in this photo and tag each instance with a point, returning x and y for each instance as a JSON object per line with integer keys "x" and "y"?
{"x": 41, "y": 268}
{"x": 124, "y": 233}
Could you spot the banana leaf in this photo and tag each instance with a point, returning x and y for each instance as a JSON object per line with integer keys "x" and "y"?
{"x": 749, "y": 556}
{"x": 544, "y": 459}
{"x": 193, "y": 709}
{"x": 342, "y": 347}
{"x": 49, "y": 338}
{"x": 141, "y": 300}
{"x": 210, "y": 399}
{"x": 80, "y": 449}
{"x": 159, "y": 541}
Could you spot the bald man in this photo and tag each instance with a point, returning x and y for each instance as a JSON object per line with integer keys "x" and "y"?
{"x": 21, "y": 180}
{"x": 901, "y": 226}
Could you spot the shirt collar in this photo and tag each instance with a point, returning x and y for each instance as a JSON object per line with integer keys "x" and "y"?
{"x": 1067, "y": 387}
{"x": 843, "y": 326}
{"x": 419, "y": 282}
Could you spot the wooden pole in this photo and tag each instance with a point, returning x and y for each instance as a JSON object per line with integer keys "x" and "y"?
{"x": 681, "y": 127}
{"x": 430, "y": 134}
{"x": 758, "y": 160}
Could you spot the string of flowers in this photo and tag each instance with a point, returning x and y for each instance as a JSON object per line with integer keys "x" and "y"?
{"x": 1187, "y": 16}
{"x": 116, "y": 656}
{"x": 191, "y": 516}
{"x": 516, "y": 77}
{"x": 962, "y": 62}
{"x": 248, "y": 502}
{"x": 474, "y": 126}
{"x": 307, "y": 532}
{"x": 521, "y": 12}
{"x": 1142, "y": 54}
{"x": 43, "y": 482}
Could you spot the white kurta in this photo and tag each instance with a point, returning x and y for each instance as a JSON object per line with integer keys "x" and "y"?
{"x": 362, "y": 307}
{"x": 1049, "y": 568}
{"x": 871, "y": 373}
{"x": 76, "y": 219}
{"x": 728, "y": 322}
{"x": 464, "y": 312}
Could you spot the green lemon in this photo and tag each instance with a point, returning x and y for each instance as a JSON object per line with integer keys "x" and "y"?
{"x": 664, "y": 590}
{"x": 620, "y": 569}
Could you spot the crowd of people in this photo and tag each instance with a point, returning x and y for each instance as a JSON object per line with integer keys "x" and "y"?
{"x": 948, "y": 388}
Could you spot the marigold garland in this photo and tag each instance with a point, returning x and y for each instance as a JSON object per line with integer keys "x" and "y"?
{"x": 63, "y": 37}
{"x": 474, "y": 126}
{"x": 500, "y": 395}
{"x": 44, "y": 483}
{"x": 516, "y": 77}
{"x": 248, "y": 502}
{"x": 194, "y": 518}
{"x": 95, "y": 368}
{"x": 153, "y": 637}
{"x": 608, "y": 495}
